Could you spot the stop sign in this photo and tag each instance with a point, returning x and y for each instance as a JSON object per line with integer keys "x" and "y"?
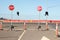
{"x": 39, "y": 8}
{"x": 11, "y": 7}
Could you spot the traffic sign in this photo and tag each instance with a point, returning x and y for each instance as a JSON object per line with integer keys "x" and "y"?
{"x": 11, "y": 7}
{"x": 39, "y": 8}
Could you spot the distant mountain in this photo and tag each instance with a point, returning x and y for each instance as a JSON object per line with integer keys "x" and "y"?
{"x": 3, "y": 18}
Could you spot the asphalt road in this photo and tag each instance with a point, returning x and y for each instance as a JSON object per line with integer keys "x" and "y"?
{"x": 38, "y": 35}
{"x": 10, "y": 35}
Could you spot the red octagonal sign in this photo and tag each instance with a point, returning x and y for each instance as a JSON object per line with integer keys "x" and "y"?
{"x": 39, "y": 8}
{"x": 11, "y": 7}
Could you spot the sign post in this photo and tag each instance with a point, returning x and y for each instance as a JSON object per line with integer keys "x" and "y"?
{"x": 46, "y": 14}
{"x": 39, "y": 8}
{"x": 11, "y": 8}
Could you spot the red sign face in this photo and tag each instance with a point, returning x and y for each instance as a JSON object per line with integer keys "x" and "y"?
{"x": 11, "y": 7}
{"x": 39, "y": 8}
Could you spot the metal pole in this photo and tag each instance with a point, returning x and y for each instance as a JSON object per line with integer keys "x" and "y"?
{"x": 11, "y": 18}
{"x": 38, "y": 18}
{"x": 39, "y": 21}
{"x": 47, "y": 4}
{"x": 46, "y": 15}
{"x": 11, "y": 21}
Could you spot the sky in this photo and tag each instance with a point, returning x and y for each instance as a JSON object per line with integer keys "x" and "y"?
{"x": 28, "y": 9}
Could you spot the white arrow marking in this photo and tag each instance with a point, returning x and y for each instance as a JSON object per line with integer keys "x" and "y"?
{"x": 44, "y": 38}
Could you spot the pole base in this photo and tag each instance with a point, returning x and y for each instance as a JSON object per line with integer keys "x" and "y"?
{"x": 47, "y": 29}
{"x": 39, "y": 27}
{"x": 1, "y": 29}
{"x": 58, "y": 35}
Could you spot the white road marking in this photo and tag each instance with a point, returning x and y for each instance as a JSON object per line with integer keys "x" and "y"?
{"x": 21, "y": 35}
{"x": 44, "y": 38}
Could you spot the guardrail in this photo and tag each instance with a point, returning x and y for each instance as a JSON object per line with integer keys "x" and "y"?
{"x": 32, "y": 21}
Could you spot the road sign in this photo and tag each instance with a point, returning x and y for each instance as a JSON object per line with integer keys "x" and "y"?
{"x": 11, "y": 7}
{"x": 39, "y": 8}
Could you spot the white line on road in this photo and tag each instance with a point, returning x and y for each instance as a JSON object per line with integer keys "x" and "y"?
{"x": 21, "y": 35}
